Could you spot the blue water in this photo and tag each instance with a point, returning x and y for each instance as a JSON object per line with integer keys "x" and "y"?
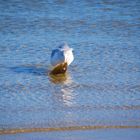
{"x": 102, "y": 85}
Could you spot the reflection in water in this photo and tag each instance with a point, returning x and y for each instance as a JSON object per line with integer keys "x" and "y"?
{"x": 64, "y": 96}
{"x": 67, "y": 101}
{"x": 60, "y": 79}
{"x": 66, "y": 90}
{"x": 67, "y": 96}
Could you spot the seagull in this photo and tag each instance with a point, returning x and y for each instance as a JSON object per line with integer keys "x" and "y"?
{"x": 61, "y": 58}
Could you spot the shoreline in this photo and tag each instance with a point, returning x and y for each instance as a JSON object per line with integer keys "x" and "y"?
{"x": 71, "y": 128}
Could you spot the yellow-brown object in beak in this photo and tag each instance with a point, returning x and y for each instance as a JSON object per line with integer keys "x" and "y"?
{"x": 59, "y": 69}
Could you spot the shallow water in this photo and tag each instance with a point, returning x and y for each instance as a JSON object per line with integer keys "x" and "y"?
{"x": 101, "y": 87}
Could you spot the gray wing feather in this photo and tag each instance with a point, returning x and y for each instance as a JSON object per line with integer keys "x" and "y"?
{"x": 57, "y": 57}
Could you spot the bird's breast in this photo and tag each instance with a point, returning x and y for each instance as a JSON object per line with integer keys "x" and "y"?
{"x": 68, "y": 57}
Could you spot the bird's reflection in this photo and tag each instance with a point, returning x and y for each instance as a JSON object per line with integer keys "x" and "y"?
{"x": 64, "y": 98}
{"x": 68, "y": 98}
{"x": 60, "y": 78}
{"x": 65, "y": 91}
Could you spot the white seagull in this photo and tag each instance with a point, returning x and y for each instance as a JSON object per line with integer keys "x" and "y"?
{"x": 61, "y": 58}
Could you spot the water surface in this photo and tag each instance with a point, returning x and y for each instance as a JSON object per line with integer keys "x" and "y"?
{"x": 101, "y": 87}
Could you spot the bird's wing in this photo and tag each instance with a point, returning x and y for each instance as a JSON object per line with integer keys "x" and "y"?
{"x": 57, "y": 57}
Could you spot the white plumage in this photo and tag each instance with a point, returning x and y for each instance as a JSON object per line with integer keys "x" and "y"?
{"x": 63, "y": 54}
